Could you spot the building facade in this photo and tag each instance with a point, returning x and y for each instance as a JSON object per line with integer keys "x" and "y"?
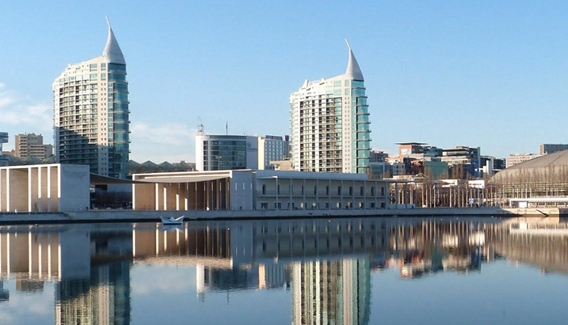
{"x": 91, "y": 113}
{"x": 3, "y": 139}
{"x": 242, "y": 190}
{"x": 547, "y": 148}
{"x": 272, "y": 148}
{"x": 31, "y": 145}
{"x": 330, "y": 123}
{"x": 225, "y": 152}
{"x": 518, "y": 158}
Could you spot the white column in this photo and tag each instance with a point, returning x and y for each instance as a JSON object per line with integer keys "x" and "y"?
{"x": 30, "y": 190}
{"x": 8, "y": 191}
{"x": 49, "y": 191}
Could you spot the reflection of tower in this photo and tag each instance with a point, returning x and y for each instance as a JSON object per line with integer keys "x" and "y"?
{"x": 4, "y": 294}
{"x": 331, "y": 292}
{"x": 102, "y": 299}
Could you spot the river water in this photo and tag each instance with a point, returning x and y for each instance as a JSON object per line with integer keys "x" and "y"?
{"x": 339, "y": 271}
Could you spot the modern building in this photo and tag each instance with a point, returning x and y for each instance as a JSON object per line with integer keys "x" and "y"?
{"x": 272, "y": 148}
{"x": 3, "y": 139}
{"x": 330, "y": 123}
{"x": 552, "y": 148}
{"x": 258, "y": 190}
{"x": 518, "y": 158}
{"x": 538, "y": 182}
{"x": 31, "y": 145}
{"x": 377, "y": 156}
{"x": 91, "y": 113}
{"x": 44, "y": 188}
{"x": 226, "y": 152}
{"x": 463, "y": 161}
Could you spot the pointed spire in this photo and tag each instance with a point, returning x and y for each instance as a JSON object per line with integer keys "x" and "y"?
{"x": 353, "y": 70}
{"x": 112, "y": 51}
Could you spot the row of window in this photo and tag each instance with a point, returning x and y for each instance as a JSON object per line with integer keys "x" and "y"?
{"x": 327, "y": 191}
{"x": 320, "y": 205}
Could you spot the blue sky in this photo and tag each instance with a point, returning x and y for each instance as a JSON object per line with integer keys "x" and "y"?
{"x": 492, "y": 74}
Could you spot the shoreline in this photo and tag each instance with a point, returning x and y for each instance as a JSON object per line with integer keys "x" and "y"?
{"x": 96, "y": 216}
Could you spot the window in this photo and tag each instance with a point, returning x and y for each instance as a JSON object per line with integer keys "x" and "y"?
{"x": 362, "y": 191}
{"x": 372, "y": 191}
{"x": 350, "y": 190}
{"x": 263, "y": 189}
{"x": 339, "y": 190}
{"x": 264, "y": 206}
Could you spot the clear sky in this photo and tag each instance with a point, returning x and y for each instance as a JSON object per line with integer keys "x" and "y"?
{"x": 492, "y": 74}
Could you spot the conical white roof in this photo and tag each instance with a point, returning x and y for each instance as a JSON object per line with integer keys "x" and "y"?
{"x": 112, "y": 50}
{"x": 353, "y": 70}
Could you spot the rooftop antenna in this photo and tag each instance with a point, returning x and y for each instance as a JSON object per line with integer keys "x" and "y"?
{"x": 200, "y": 127}
{"x": 227, "y": 128}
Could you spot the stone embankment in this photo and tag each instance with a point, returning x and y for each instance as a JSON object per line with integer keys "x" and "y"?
{"x": 89, "y": 216}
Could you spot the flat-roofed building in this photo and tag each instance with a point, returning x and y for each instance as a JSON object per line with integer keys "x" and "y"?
{"x": 258, "y": 190}
{"x": 548, "y": 148}
{"x": 44, "y": 188}
{"x": 31, "y": 145}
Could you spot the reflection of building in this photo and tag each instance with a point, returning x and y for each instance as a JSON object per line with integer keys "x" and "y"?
{"x": 104, "y": 298}
{"x": 331, "y": 292}
{"x": 330, "y": 123}
{"x": 91, "y": 113}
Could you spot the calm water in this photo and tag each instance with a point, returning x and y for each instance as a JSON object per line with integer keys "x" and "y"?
{"x": 339, "y": 271}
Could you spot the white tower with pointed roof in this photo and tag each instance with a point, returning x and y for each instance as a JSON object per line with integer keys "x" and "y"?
{"x": 330, "y": 123}
{"x": 91, "y": 113}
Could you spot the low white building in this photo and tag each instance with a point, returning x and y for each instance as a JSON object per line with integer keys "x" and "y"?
{"x": 257, "y": 190}
{"x": 44, "y": 188}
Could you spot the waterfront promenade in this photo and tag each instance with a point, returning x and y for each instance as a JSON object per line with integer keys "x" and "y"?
{"x": 154, "y": 216}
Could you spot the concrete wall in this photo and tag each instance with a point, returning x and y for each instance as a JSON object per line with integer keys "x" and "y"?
{"x": 74, "y": 187}
{"x": 242, "y": 192}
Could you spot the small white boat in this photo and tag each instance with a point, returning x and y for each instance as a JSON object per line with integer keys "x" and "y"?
{"x": 172, "y": 221}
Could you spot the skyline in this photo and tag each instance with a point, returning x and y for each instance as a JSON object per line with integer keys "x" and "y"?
{"x": 431, "y": 69}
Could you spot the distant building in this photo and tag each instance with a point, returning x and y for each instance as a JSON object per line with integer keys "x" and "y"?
{"x": 31, "y": 145}
{"x": 546, "y": 149}
{"x": 377, "y": 156}
{"x": 463, "y": 161}
{"x": 226, "y": 152}
{"x": 272, "y": 148}
{"x": 518, "y": 158}
{"x": 3, "y": 139}
{"x": 91, "y": 113}
{"x": 330, "y": 123}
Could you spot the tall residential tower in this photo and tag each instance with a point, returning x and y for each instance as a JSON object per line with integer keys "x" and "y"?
{"x": 91, "y": 114}
{"x": 330, "y": 123}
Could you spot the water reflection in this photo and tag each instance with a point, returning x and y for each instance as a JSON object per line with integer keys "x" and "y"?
{"x": 325, "y": 265}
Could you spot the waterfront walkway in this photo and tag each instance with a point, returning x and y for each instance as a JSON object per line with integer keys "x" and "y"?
{"x": 154, "y": 216}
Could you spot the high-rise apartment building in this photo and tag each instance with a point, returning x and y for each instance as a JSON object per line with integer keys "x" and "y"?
{"x": 91, "y": 113}
{"x": 330, "y": 123}
{"x": 31, "y": 145}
